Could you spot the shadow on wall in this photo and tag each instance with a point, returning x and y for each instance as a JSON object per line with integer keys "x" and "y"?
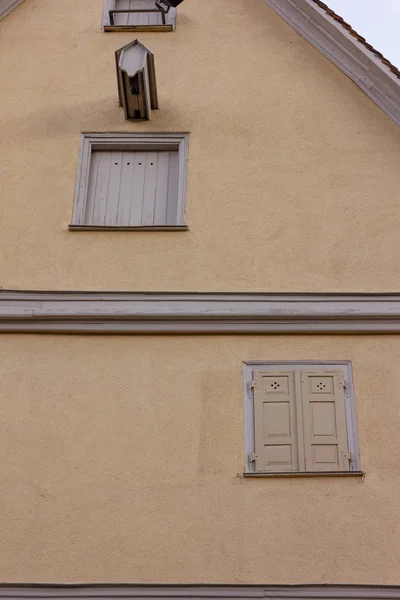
{"x": 56, "y": 121}
{"x": 101, "y": 114}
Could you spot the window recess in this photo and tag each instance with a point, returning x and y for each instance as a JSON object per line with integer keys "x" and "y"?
{"x": 300, "y": 418}
{"x": 131, "y": 182}
{"x": 137, "y": 15}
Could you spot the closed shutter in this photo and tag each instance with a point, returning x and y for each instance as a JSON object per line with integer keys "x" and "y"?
{"x": 324, "y": 421}
{"x": 132, "y": 188}
{"x": 275, "y": 421}
{"x": 137, "y": 19}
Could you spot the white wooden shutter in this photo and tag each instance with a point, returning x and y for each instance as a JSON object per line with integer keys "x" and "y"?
{"x": 134, "y": 188}
{"x": 324, "y": 421}
{"x": 276, "y": 446}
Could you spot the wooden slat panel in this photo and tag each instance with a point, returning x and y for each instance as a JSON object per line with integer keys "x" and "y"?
{"x": 108, "y": 5}
{"x": 172, "y": 194}
{"x": 132, "y": 188}
{"x": 91, "y": 194}
{"x": 101, "y": 187}
{"x": 134, "y": 19}
{"x": 149, "y": 195}
{"x": 122, "y": 18}
{"x": 160, "y": 211}
{"x": 136, "y": 200}
{"x": 114, "y": 183}
{"x": 125, "y": 191}
{"x": 139, "y": 18}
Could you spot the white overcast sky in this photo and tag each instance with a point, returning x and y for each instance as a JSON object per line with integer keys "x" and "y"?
{"x": 376, "y": 20}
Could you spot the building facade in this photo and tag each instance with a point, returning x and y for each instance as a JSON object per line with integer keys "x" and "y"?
{"x": 204, "y": 391}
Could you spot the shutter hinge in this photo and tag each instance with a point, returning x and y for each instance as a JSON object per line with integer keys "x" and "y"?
{"x": 253, "y": 457}
{"x": 348, "y": 456}
{"x": 342, "y": 382}
{"x": 253, "y": 384}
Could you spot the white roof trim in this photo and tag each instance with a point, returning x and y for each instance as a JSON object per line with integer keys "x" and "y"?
{"x": 6, "y": 6}
{"x": 341, "y": 48}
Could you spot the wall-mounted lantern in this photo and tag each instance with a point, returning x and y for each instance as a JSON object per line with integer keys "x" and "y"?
{"x": 137, "y": 88}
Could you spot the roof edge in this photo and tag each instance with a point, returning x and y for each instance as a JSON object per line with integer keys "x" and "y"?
{"x": 337, "y": 44}
{"x": 6, "y": 6}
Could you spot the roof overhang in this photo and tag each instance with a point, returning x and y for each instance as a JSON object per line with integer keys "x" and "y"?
{"x": 6, "y": 6}
{"x": 329, "y": 37}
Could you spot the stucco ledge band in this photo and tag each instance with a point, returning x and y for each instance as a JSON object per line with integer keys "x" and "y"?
{"x": 208, "y": 313}
{"x": 195, "y": 592}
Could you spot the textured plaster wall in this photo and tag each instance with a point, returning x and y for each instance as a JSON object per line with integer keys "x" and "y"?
{"x": 293, "y": 172}
{"x": 122, "y": 461}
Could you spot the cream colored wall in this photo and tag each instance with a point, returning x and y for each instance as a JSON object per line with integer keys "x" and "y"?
{"x": 122, "y": 461}
{"x": 293, "y": 172}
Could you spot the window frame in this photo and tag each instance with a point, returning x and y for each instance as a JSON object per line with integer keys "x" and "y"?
{"x": 249, "y": 367}
{"x": 91, "y": 142}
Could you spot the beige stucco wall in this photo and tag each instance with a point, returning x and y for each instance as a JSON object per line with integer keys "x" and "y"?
{"x": 293, "y": 172}
{"x": 121, "y": 461}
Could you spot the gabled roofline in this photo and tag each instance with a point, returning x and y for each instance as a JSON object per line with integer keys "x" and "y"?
{"x": 344, "y": 50}
{"x": 6, "y": 6}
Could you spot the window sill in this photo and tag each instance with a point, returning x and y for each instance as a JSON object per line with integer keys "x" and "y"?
{"x": 149, "y": 28}
{"x": 307, "y": 474}
{"x": 140, "y": 228}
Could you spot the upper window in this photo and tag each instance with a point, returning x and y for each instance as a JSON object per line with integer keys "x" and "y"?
{"x": 300, "y": 418}
{"x": 131, "y": 181}
{"x": 137, "y": 15}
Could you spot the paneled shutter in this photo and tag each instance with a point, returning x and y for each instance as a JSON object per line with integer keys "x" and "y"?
{"x": 132, "y": 188}
{"x": 324, "y": 421}
{"x": 275, "y": 421}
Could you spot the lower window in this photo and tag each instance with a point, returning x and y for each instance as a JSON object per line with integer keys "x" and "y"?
{"x": 300, "y": 417}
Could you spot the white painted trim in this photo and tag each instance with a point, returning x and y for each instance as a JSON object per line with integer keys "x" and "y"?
{"x": 208, "y": 592}
{"x": 6, "y": 6}
{"x": 341, "y": 48}
{"x": 127, "y": 141}
{"x": 250, "y": 367}
{"x": 153, "y": 312}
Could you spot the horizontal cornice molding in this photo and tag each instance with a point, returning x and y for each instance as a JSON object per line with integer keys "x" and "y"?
{"x": 227, "y": 592}
{"x": 341, "y": 48}
{"x": 213, "y": 313}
